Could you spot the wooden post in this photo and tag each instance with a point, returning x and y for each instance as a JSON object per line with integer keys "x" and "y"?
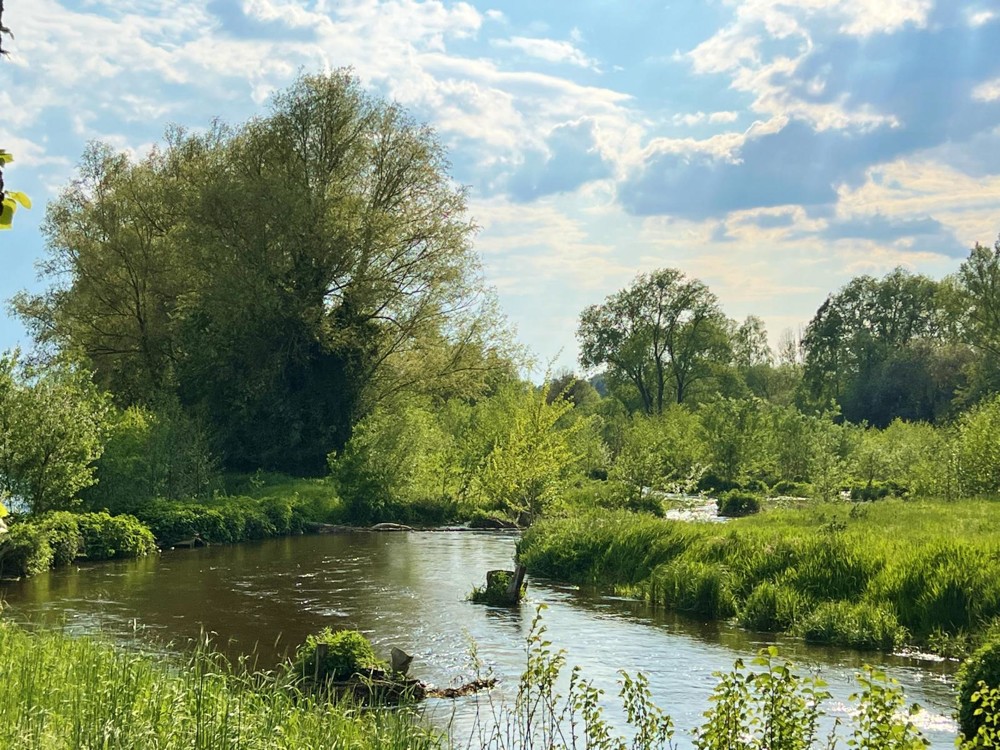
{"x": 322, "y": 649}
{"x": 514, "y": 589}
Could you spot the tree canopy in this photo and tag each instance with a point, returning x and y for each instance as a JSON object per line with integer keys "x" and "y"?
{"x": 278, "y": 277}
{"x": 662, "y": 335}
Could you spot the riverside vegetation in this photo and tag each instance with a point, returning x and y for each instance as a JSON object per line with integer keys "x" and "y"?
{"x": 261, "y": 326}
{"x": 63, "y": 692}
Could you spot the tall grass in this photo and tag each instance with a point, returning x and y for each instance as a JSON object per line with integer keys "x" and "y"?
{"x": 62, "y": 692}
{"x": 928, "y": 569}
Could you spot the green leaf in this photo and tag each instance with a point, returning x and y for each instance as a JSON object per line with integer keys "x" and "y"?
{"x": 21, "y": 198}
{"x": 5, "y": 158}
{"x": 7, "y": 214}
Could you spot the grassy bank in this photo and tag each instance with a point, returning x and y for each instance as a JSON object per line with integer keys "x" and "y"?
{"x": 875, "y": 575}
{"x": 63, "y": 692}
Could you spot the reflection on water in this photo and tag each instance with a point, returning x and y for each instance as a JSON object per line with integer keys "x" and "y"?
{"x": 408, "y": 590}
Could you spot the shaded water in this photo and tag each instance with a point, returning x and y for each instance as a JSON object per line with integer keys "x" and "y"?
{"x": 408, "y": 590}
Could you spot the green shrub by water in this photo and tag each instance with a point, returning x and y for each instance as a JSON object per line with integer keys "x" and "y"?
{"x": 63, "y": 693}
{"x": 33, "y": 546}
{"x": 348, "y": 653}
{"x": 738, "y": 503}
{"x": 983, "y": 667}
{"x": 929, "y": 569}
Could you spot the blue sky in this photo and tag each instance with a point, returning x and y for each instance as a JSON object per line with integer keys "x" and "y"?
{"x": 773, "y": 149}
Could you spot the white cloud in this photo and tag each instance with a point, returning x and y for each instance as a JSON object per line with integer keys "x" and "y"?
{"x": 549, "y": 50}
{"x": 691, "y": 119}
{"x": 988, "y": 91}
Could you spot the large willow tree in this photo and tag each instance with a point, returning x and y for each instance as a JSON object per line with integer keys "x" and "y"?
{"x": 277, "y": 278}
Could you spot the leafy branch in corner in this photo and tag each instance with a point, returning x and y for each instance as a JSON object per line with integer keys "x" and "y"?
{"x": 8, "y": 200}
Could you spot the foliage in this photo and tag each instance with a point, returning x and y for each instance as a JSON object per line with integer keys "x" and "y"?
{"x": 353, "y": 281}
{"x": 51, "y": 423}
{"x": 226, "y": 520}
{"x": 860, "y": 626}
{"x": 524, "y": 470}
{"x": 25, "y": 551}
{"x": 872, "y": 348}
{"x": 9, "y": 199}
{"x": 151, "y": 454}
{"x": 663, "y": 452}
{"x": 760, "y": 710}
{"x": 981, "y": 668}
{"x": 736, "y": 503}
{"x": 773, "y": 607}
{"x": 986, "y": 708}
{"x": 495, "y": 590}
{"x": 977, "y": 449}
{"x": 930, "y": 567}
{"x": 395, "y": 458}
{"x": 62, "y": 692}
{"x": 62, "y": 531}
{"x": 348, "y": 653}
{"x": 662, "y": 335}
{"x": 107, "y": 537}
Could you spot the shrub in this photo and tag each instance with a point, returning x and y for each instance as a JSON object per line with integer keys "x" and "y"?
{"x": 107, "y": 537}
{"x": 25, "y": 551}
{"x": 62, "y": 530}
{"x": 774, "y": 607}
{"x": 348, "y": 653}
{"x": 982, "y": 667}
{"x": 737, "y": 503}
{"x": 861, "y": 625}
{"x": 792, "y": 489}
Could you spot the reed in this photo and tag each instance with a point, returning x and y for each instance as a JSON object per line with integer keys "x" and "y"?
{"x": 62, "y": 692}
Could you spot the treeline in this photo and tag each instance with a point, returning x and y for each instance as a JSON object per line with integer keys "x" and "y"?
{"x": 299, "y": 294}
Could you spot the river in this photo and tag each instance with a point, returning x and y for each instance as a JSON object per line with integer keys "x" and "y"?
{"x": 409, "y": 590}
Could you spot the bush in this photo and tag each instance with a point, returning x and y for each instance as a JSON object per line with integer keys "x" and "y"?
{"x": 792, "y": 489}
{"x": 983, "y": 666}
{"x": 25, "y": 551}
{"x": 712, "y": 482}
{"x": 861, "y": 626}
{"x": 107, "y": 537}
{"x": 876, "y": 491}
{"x": 774, "y": 607}
{"x": 62, "y": 530}
{"x": 736, "y": 503}
{"x": 348, "y": 653}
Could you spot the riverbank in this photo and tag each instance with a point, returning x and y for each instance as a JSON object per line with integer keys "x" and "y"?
{"x": 870, "y": 576}
{"x": 274, "y": 506}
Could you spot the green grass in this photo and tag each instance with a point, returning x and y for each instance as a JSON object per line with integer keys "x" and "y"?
{"x": 62, "y": 692}
{"x": 922, "y": 570}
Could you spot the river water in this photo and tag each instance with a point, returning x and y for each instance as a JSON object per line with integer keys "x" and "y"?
{"x": 409, "y": 590}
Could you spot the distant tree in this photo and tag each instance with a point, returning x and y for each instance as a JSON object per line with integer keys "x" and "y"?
{"x": 870, "y": 347}
{"x": 663, "y": 335}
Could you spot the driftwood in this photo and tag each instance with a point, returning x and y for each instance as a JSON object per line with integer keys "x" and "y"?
{"x": 391, "y": 527}
{"x": 196, "y": 541}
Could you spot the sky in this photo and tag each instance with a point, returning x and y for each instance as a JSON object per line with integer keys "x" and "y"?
{"x": 773, "y": 149}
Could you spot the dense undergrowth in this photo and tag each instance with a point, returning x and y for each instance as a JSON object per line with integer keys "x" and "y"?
{"x": 874, "y": 576}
